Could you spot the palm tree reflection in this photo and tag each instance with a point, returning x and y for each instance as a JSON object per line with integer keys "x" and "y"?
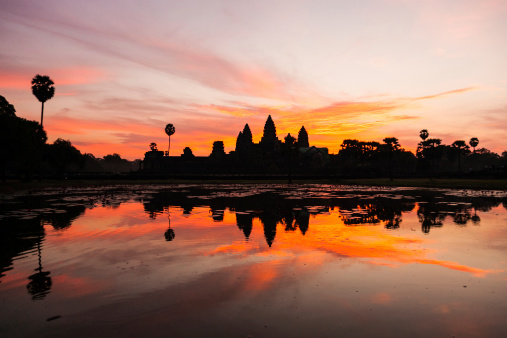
{"x": 169, "y": 234}
{"x": 475, "y": 218}
{"x": 40, "y": 283}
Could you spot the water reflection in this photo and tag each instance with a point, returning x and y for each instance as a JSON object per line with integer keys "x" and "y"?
{"x": 40, "y": 282}
{"x": 169, "y": 234}
{"x": 247, "y": 242}
{"x": 292, "y": 208}
{"x": 22, "y": 230}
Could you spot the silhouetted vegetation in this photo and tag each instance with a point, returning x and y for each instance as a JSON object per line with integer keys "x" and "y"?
{"x": 43, "y": 90}
{"x": 292, "y": 208}
{"x": 474, "y": 142}
{"x": 277, "y": 208}
{"x": 61, "y": 156}
{"x": 24, "y": 152}
{"x": 356, "y": 159}
{"x": 20, "y": 142}
{"x": 24, "y": 149}
{"x": 169, "y": 130}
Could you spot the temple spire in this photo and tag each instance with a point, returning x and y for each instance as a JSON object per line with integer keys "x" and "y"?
{"x": 269, "y": 135}
{"x": 247, "y": 135}
{"x": 303, "y": 138}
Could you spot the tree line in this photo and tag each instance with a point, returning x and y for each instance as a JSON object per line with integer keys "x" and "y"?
{"x": 24, "y": 151}
{"x": 432, "y": 158}
{"x": 355, "y": 158}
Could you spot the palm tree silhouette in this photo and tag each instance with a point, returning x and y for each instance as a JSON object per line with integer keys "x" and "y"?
{"x": 169, "y": 130}
{"x": 474, "y": 142}
{"x": 424, "y": 134}
{"x": 460, "y": 146}
{"x": 392, "y": 145}
{"x": 42, "y": 88}
{"x": 169, "y": 234}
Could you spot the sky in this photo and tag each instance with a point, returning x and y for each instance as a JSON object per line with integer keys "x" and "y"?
{"x": 362, "y": 69}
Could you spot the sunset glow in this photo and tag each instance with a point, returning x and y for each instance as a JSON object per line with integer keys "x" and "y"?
{"x": 329, "y": 235}
{"x": 246, "y": 259}
{"x": 368, "y": 70}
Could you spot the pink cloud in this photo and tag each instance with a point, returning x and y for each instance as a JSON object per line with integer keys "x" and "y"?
{"x": 61, "y": 76}
{"x": 171, "y": 56}
{"x": 199, "y": 125}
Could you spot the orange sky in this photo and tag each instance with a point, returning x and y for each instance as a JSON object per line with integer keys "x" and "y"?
{"x": 378, "y": 69}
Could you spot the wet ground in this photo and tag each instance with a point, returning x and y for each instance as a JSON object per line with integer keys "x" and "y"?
{"x": 253, "y": 261}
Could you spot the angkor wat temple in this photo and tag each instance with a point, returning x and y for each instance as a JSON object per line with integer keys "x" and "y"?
{"x": 270, "y": 156}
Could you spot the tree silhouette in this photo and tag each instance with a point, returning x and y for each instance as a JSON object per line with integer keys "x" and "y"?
{"x": 460, "y": 146}
{"x": 391, "y": 145}
{"x": 7, "y": 117}
{"x": 21, "y": 142}
{"x": 42, "y": 88}
{"x": 169, "y": 130}
{"x": 423, "y": 134}
{"x": 62, "y": 154}
{"x": 6, "y": 109}
{"x": 474, "y": 142}
{"x": 434, "y": 144}
{"x": 429, "y": 150}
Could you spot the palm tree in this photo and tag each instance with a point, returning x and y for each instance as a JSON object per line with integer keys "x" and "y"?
{"x": 424, "y": 134}
{"x": 461, "y": 146}
{"x": 42, "y": 88}
{"x": 474, "y": 142}
{"x": 392, "y": 145}
{"x": 430, "y": 148}
{"x": 169, "y": 130}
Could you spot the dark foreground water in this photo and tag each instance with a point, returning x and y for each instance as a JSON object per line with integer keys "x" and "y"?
{"x": 253, "y": 261}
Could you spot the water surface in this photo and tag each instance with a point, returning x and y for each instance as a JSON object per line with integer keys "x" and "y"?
{"x": 253, "y": 261}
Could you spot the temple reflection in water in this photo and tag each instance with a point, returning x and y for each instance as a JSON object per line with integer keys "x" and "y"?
{"x": 227, "y": 251}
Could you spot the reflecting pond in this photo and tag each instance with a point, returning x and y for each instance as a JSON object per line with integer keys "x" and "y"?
{"x": 253, "y": 261}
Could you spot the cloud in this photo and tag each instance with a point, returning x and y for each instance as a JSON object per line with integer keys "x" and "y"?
{"x": 79, "y": 126}
{"x": 197, "y": 125}
{"x": 450, "y": 92}
{"x": 65, "y": 76}
{"x": 173, "y": 56}
{"x": 180, "y": 58}
{"x": 233, "y": 111}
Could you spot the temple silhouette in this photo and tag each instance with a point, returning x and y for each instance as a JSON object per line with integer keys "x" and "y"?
{"x": 270, "y": 156}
